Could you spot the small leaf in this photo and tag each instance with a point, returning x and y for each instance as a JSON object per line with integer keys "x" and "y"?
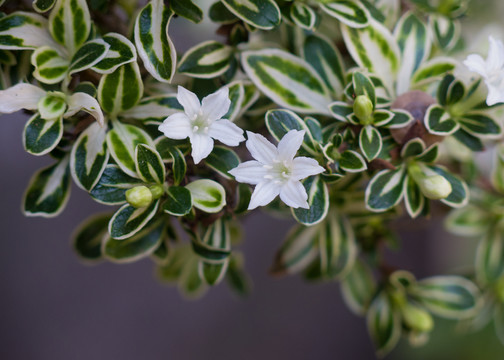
{"x": 48, "y": 190}
{"x": 358, "y": 287}
{"x": 460, "y": 192}
{"x": 469, "y": 220}
{"x": 187, "y": 9}
{"x": 153, "y": 110}
{"x": 318, "y": 200}
{"x": 400, "y": 119}
{"x": 262, "y": 14}
{"x": 385, "y": 190}
{"x": 349, "y": 12}
{"x": 370, "y": 142}
{"x": 88, "y": 237}
{"x": 303, "y": 15}
{"x": 112, "y": 186}
{"x": 446, "y": 31}
{"x": 127, "y": 221}
{"x": 21, "y": 30}
{"x": 208, "y": 195}
{"x": 221, "y": 160}
{"x": 413, "y": 198}
{"x": 351, "y": 161}
{"x": 70, "y": 23}
{"x": 243, "y": 198}
{"x": 43, "y": 5}
{"x": 121, "y": 51}
{"x": 179, "y": 165}
{"x": 490, "y": 256}
{"x": 206, "y": 60}
{"x": 414, "y": 147}
{"x": 432, "y": 70}
{"x": 50, "y": 66}
{"x": 41, "y": 136}
{"x": 384, "y": 324}
{"x": 219, "y": 13}
{"x": 341, "y": 110}
{"x": 179, "y": 201}
{"x": 480, "y": 125}
{"x": 438, "y": 121}
{"x": 149, "y": 165}
{"x": 88, "y": 55}
{"x": 362, "y": 85}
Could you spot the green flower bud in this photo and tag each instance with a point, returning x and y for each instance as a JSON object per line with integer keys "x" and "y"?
{"x": 157, "y": 191}
{"x": 416, "y": 318}
{"x": 363, "y": 109}
{"x": 434, "y": 187}
{"x": 139, "y": 196}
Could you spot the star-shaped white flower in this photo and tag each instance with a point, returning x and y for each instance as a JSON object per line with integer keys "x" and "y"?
{"x": 275, "y": 171}
{"x": 491, "y": 69}
{"x": 202, "y": 123}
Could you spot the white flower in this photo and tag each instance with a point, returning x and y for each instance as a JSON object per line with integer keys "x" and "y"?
{"x": 492, "y": 70}
{"x": 202, "y": 122}
{"x": 275, "y": 170}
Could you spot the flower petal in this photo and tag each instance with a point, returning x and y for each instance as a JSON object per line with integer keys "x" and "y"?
{"x": 294, "y": 194}
{"x": 290, "y": 144}
{"x": 495, "y": 58}
{"x": 495, "y": 95}
{"x": 260, "y": 148}
{"x": 82, "y": 101}
{"x": 216, "y": 105}
{"x": 189, "y": 101}
{"x": 202, "y": 146}
{"x": 263, "y": 194}
{"x": 226, "y": 132}
{"x": 20, "y": 96}
{"x": 249, "y": 172}
{"x": 176, "y": 126}
{"x": 302, "y": 167}
{"x": 476, "y": 63}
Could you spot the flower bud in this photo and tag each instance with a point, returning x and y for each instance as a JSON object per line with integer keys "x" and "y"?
{"x": 363, "y": 109}
{"x": 417, "y": 318}
{"x": 139, "y": 196}
{"x": 157, "y": 191}
{"x": 435, "y": 187}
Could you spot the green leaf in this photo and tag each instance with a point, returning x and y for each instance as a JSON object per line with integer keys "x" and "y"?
{"x": 319, "y": 52}
{"x": 384, "y": 324}
{"x": 43, "y": 5}
{"x": 50, "y": 66}
{"x": 287, "y": 80}
{"x": 48, "y": 190}
{"x": 385, "y": 190}
{"x": 121, "y": 51}
{"x": 112, "y": 186}
{"x": 70, "y": 23}
{"x": 381, "y": 118}
{"x": 153, "y": 110}
{"x": 446, "y": 31}
{"x": 432, "y": 70}
{"x": 122, "y": 141}
{"x": 87, "y": 239}
{"x": 374, "y": 48}
{"x": 468, "y": 140}
{"x": 414, "y": 147}
{"x": 490, "y": 256}
{"x": 40, "y": 136}
{"x": 21, "y": 30}
{"x": 338, "y": 249}
{"x": 179, "y": 201}
{"x": 262, "y": 14}
{"x": 318, "y": 200}
{"x": 298, "y": 250}
{"x": 153, "y": 43}
{"x": 127, "y": 221}
{"x": 213, "y": 273}
{"x": 206, "y": 60}
{"x": 89, "y": 156}
{"x": 243, "y": 194}
{"x": 413, "y": 198}
{"x": 221, "y": 160}
{"x": 187, "y": 9}
{"x": 120, "y": 90}
{"x": 88, "y": 55}
{"x": 358, "y": 287}
{"x": 208, "y": 195}
{"x": 179, "y": 165}
{"x": 349, "y": 12}
{"x": 351, "y": 161}
{"x": 303, "y": 15}
{"x": 414, "y": 42}
{"x": 236, "y": 278}
{"x": 497, "y": 176}
{"x": 400, "y": 119}
{"x": 190, "y": 283}
{"x": 134, "y": 248}
{"x": 341, "y": 110}
{"x": 480, "y": 125}
{"x": 219, "y": 13}
{"x": 460, "y": 192}
{"x": 149, "y": 165}
{"x": 451, "y": 297}
{"x": 469, "y": 220}
{"x": 362, "y": 85}
{"x": 438, "y": 121}
{"x": 370, "y": 142}
{"x": 236, "y": 95}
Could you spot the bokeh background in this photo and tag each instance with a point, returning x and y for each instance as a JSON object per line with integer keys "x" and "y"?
{"x": 54, "y": 307}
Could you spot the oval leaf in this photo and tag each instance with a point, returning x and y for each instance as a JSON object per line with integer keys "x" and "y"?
{"x": 179, "y": 201}
{"x": 40, "y": 136}
{"x": 262, "y": 14}
{"x": 206, "y": 60}
{"x": 149, "y": 165}
{"x": 318, "y": 200}
{"x": 207, "y": 195}
{"x": 127, "y": 221}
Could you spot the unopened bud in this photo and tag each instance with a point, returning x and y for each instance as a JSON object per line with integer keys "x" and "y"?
{"x": 363, "y": 109}
{"x": 157, "y": 191}
{"x": 435, "y": 187}
{"x": 139, "y": 196}
{"x": 416, "y": 318}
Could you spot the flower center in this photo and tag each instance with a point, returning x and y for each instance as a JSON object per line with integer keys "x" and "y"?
{"x": 279, "y": 172}
{"x": 200, "y": 124}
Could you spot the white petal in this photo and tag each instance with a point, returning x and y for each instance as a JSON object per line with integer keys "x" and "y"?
{"x": 189, "y": 101}
{"x": 250, "y": 172}
{"x": 82, "y": 101}
{"x": 290, "y": 144}
{"x": 216, "y": 105}
{"x": 260, "y": 148}
{"x": 202, "y": 146}
{"x": 495, "y": 95}
{"x": 263, "y": 194}
{"x": 302, "y": 167}
{"x": 176, "y": 126}
{"x": 495, "y": 58}
{"x": 226, "y": 132}
{"x": 294, "y": 194}
{"x": 476, "y": 63}
{"x": 20, "y": 96}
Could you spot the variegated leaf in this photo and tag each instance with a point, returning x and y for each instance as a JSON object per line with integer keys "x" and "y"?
{"x": 438, "y": 121}
{"x": 358, "y": 287}
{"x": 48, "y": 190}
{"x": 413, "y": 198}
{"x": 383, "y": 323}
{"x": 179, "y": 165}
{"x": 349, "y": 12}
{"x": 208, "y": 195}
{"x": 50, "y": 66}
{"x": 446, "y": 31}
{"x": 236, "y": 95}
{"x": 460, "y": 192}
{"x": 221, "y": 160}
{"x": 206, "y": 60}
{"x": 497, "y": 176}
{"x": 385, "y": 190}
{"x": 70, "y": 23}
{"x": 490, "y": 256}
{"x": 432, "y": 70}
{"x": 120, "y": 90}
{"x": 351, "y": 161}
{"x": 112, "y": 185}
{"x": 480, "y": 125}
{"x": 153, "y": 110}
{"x": 178, "y": 202}
{"x": 370, "y": 142}
{"x": 153, "y": 43}
{"x": 40, "y": 136}
{"x": 21, "y": 30}
{"x": 149, "y": 165}
{"x": 469, "y": 220}
{"x": 122, "y": 141}
{"x": 43, "y": 5}
{"x": 89, "y": 156}
{"x": 88, "y": 237}
{"x": 303, "y": 15}
{"x": 262, "y": 14}
{"x": 187, "y": 9}
{"x": 121, "y": 51}
{"x": 287, "y": 80}
{"x": 127, "y": 221}
{"x": 88, "y": 55}
{"x": 318, "y": 200}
